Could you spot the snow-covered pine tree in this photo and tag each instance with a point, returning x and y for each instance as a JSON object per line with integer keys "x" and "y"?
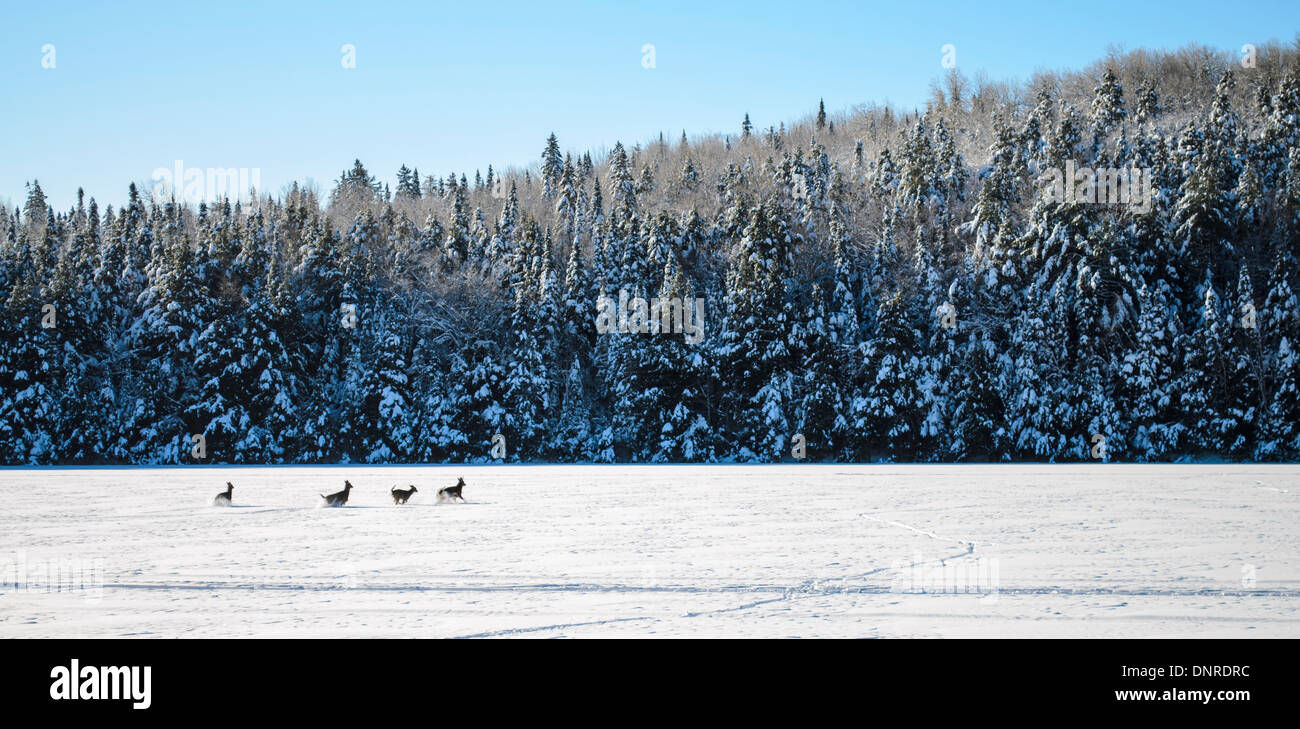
{"x": 457, "y": 243}
{"x": 552, "y": 166}
{"x": 1245, "y": 371}
{"x": 175, "y": 308}
{"x": 680, "y": 423}
{"x": 386, "y": 428}
{"x": 1107, "y": 108}
{"x": 1203, "y": 390}
{"x": 1148, "y": 383}
{"x": 526, "y": 386}
{"x": 821, "y": 415}
{"x": 28, "y": 407}
{"x": 754, "y": 347}
{"x": 889, "y": 405}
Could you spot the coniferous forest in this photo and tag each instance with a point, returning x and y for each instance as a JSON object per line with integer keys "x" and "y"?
{"x": 889, "y": 284}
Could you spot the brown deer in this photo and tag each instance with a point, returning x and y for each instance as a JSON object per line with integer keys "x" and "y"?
{"x": 340, "y": 498}
{"x": 452, "y": 492}
{"x": 400, "y": 496}
{"x": 223, "y": 498}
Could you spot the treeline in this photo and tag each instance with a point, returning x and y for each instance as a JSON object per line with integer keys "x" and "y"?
{"x": 889, "y": 286}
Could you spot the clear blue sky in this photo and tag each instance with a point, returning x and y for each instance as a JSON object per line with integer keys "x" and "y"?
{"x": 454, "y": 87}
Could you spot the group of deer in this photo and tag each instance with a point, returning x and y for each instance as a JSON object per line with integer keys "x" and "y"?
{"x": 340, "y": 498}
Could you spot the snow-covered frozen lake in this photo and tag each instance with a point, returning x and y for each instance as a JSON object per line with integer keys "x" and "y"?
{"x": 696, "y": 551}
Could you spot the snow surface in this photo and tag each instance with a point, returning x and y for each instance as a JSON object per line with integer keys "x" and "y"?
{"x": 699, "y": 551}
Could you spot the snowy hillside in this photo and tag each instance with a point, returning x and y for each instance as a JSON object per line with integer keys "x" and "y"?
{"x": 761, "y": 551}
{"x": 913, "y": 287}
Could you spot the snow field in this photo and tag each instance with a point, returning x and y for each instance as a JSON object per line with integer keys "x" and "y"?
{"x": 639, "y": 551}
